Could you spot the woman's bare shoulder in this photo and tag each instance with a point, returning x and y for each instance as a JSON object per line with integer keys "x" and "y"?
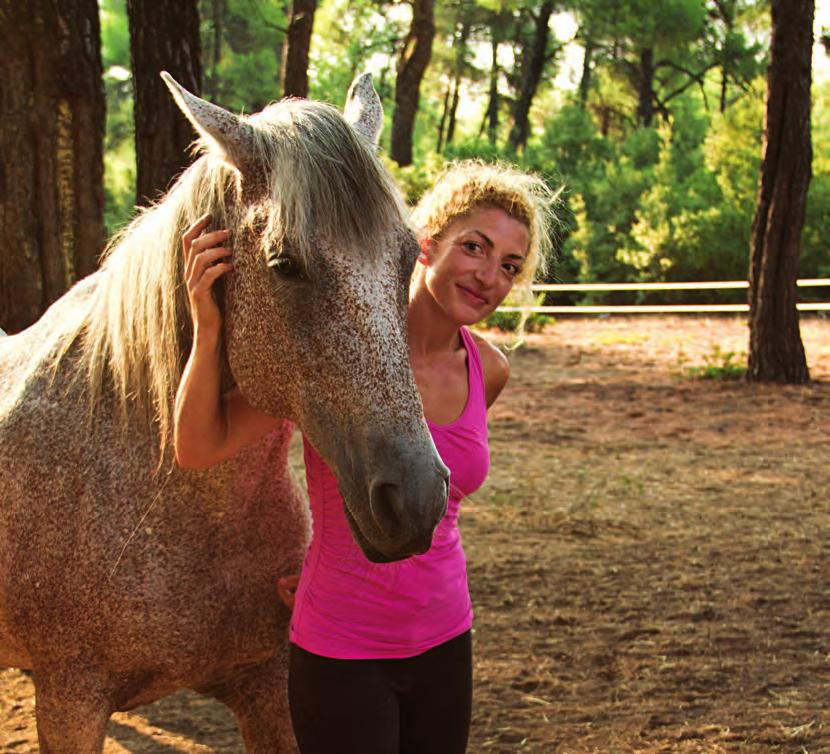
{"x": 495, "y": 365}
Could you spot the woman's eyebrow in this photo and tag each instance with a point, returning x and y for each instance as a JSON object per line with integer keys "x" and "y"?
{"x": 484, "y": 236}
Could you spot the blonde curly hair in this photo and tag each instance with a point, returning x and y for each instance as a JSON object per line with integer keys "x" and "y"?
{"x": 468, "y": 185}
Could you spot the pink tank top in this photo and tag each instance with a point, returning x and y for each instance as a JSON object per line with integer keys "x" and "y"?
{"x": 347, "y": 607}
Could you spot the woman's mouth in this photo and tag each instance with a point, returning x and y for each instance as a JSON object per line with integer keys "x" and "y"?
{"x": 475, "y": 298}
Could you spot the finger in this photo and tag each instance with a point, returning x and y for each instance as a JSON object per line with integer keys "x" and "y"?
{"x": 285, "y": 594}
{"x": 211, "y": 274}
{"x": 206, "y": 241}
{"x": 204, "y": 287}
{"x": 194, "y": 230}
{"x": 200, "y": 243}
{"x": 204, "y": 259}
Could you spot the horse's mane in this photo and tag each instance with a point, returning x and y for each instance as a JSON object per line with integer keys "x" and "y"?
{"x": 136, "y": 332}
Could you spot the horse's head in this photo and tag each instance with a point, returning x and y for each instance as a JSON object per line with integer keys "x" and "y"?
{"x": 315, "y": 326}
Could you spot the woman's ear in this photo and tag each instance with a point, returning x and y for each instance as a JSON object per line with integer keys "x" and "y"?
{"x": 426, "y": 249}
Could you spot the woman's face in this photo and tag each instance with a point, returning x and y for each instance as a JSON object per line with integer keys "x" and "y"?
{"x": 471, "y": 268}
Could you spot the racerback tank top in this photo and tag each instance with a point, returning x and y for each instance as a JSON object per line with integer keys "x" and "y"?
{"x": 347, "y": 607}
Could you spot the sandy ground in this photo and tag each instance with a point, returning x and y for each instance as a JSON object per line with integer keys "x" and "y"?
{"x": 649, "y": 560}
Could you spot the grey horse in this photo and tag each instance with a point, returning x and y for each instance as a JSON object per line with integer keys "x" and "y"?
{"x": 123, "y": 577}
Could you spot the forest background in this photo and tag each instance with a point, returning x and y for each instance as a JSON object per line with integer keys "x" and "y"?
{"x": 649, "y": 115}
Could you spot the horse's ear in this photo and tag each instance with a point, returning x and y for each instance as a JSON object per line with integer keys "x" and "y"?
{"x": 232, "y": 136}
{"x": 363, "y": 108}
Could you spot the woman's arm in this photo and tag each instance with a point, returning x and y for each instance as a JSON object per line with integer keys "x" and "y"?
{"x": 209, "y": 427}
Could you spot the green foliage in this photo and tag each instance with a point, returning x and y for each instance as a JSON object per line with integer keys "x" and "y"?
{"x": 605, "y": 212}
{"x": 678, "y": 229}
{"x": 719, "y": 365}
{"x": 667, "y": 203}
{"x": 244, "y": 75}
{"x": 815, "y": 248}
{"x": 119, "y": 145}
{"x": 351, "y": 36}
{"x": 507, "y": 321}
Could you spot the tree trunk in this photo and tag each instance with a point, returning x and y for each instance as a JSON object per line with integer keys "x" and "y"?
{"x": 460, "y": 54}
{"x": 411, "y": 66}
{"x": 776, "y": 353}
{"x": 456, "y": 97}
{"x": 217, "y": 17}
{"x": 439, "y": 146}
{"x": 163, "y": 37}
{"x": 491, "y": 117}
{"x": 585, "y": 78}
{"x": 294, "y": 71}
{"x": 532, "y": 68}
{"x": 645, "y": 88}
{"x": 51, "y": 153}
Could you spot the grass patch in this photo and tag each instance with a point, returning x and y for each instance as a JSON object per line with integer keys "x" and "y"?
{"x": 719, "y": 365}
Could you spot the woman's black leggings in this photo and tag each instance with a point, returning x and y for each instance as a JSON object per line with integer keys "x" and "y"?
{"x": 415, "y": 705}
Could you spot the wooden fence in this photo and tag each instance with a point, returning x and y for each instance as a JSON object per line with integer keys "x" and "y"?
{"x": 659, "y": 308}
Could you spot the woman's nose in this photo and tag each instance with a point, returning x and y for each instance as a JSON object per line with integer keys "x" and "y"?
{"x": 486, "y": 271}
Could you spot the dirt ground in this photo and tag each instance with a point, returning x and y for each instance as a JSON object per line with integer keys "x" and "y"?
{"x": 649, "y": 560}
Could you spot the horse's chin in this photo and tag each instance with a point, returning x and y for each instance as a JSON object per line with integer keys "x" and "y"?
{"x": 372, "y": 553}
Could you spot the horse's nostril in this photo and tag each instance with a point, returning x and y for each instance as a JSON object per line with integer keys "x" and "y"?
{"x": 387, "y": 507}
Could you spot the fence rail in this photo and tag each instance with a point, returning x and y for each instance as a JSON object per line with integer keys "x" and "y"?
{"x": 657, "y": 308}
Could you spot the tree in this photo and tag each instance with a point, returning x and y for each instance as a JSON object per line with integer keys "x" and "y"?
{"x": 294, "y": 74}
{"x": 452, "y": 97}
{"x": 414, "y": 59}
{"x": 497, "y": 23}
{"x": 242, "y": 50}
{"x": 51, "y": 163}
{"x": 776, "y": 353}
{"x": 163, "y": 37}
{"x": 216, "y": 13}
{"x": 534, "y": 57}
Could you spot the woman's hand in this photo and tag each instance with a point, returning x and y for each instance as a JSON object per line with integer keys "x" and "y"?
{"x": 287, "y": 589}
{"x": 203, "y": 265}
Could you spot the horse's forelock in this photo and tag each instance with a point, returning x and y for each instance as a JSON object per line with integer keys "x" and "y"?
{"x": 325, "y": 180}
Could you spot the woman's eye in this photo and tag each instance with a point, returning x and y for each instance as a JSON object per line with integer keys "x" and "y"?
{"x": 512, "y": 269}
{"x": 472, "y": 246}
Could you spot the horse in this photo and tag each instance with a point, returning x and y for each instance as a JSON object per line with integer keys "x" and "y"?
{"x": 123, "y": 577}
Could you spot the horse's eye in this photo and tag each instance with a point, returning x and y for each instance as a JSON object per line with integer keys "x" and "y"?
{"x": 285, "y": 266}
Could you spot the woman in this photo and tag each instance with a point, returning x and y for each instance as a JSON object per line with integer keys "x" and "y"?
{"x": 381, "y": 658}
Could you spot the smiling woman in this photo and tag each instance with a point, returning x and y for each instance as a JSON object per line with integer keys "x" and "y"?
{"x": 381, "y": 652}
{"x": 469, "y": 186}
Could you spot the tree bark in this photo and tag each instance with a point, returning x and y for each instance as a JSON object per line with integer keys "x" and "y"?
{"x": 294, "y": 71}
{"x": 163, "y": 37}
{"x": 414, "y": 59}
{"x": 51, "y": 153}
{"x": 456, "y": 98}
{"x": 532, "y": 67}
{"x": 491, "y": 116}
{"x": 217, "y": 17}
{"x": 439, "y": 146}
{"x": 585, "y": 78}
{"x": 645, "y": 88}
{"x": 460, "y": 55}
{"x": 776, "y": 353}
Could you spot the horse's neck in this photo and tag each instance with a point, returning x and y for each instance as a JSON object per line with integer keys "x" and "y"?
{"x": 264, "y": 464}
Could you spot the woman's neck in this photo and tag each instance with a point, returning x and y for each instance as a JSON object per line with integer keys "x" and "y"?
{"x": 429, "y": 330}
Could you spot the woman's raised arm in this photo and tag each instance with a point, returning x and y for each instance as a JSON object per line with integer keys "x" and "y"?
{"x": 209, "y": 427}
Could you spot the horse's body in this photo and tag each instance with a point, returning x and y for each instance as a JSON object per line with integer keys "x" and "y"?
{"x": 123, "y": 577}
